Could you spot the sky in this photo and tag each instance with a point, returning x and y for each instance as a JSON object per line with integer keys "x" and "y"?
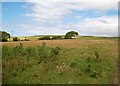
{"x": 35, "y": 17}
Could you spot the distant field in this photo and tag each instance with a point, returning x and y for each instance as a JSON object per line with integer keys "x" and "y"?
{"x": 81, "y": 40}
{"x": 75, "y": 43}
{"x": 32, "y": 38}
{"x": 85, "y": 60}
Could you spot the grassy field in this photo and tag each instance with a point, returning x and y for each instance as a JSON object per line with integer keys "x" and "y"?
{"x": 85, "y": 60}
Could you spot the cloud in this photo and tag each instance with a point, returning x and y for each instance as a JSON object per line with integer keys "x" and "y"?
{"x": 54, "y": 12}
{"x": 60, "y": 0}
{"x": 106, "y": 25}
{"x": 48, "y": 18}
{"x": 44, "y": 30}
{"x": 101, "y": 26}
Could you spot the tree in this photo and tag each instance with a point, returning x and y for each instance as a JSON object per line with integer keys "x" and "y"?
{"x": 4, "y": 36}
{"x": 15, "y": 39}
{"x": 71, "y": 34}
{"x": 45, "y": 38}
{"x": 57, "y": 37}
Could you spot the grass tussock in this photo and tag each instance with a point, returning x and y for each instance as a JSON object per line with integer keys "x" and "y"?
{"x": 42, "y": 64}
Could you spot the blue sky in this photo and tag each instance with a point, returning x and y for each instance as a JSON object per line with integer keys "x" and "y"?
{"x": 33, "y": 18}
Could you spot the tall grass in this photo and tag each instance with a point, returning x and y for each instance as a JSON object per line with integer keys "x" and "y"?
{"x": 57, "y": 65}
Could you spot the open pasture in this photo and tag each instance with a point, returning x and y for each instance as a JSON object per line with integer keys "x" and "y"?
{"x": 70, "y": 61}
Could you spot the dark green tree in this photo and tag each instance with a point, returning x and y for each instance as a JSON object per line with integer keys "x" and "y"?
{"x": 4, "y": 36}
{"x": 71, "y": 34}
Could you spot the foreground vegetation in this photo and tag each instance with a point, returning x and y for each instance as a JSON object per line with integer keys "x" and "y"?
{"x": 94, "y": 63}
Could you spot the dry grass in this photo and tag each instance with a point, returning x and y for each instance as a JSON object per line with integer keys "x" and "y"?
{"x": 74, "y": 43}
{"x": 74, "y": 51}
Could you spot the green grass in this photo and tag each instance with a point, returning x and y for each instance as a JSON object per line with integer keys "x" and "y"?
{"x": 43, "y": 64}
{"x": 98, "y": 38}
{"x": 36, "y": 37}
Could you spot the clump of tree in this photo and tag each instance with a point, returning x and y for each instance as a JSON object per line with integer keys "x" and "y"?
{"x": 16, "y": 39}
{"x": 57, "y": 37}
{"x": 71, "y": 34}
{"x": 26, "y": 39}
{"x": 4, "y": 36}
{"x": 45, "y": 38}
{"x": 68, "y": 35}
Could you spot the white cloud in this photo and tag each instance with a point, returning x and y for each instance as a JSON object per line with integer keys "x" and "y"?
{"x": 60, "y": 0}
{"x": 106, "y": 25}
{"x": 71, "y": 0}
{"x": 47, "y": 18}
{"x": 55, "y": 11}
{"x": 44, "y": 30}
{"x": 102, "y": 26}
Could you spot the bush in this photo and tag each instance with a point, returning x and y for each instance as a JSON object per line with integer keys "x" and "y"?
{"x": 30, "y": 52}
{"x": 56, "y": 37}
{"x": 55, "y": 51}
{"x": 67, "y": 37}
{"x": 4, "y": 36}
{"x": 15, "y": 39}
{"x": 7, "y": 51}
{"x": 43, "y": 52}
{"x": 73, "y": 64}
{"x": 4, "y": 40}
{"x": 45, "y": 38}
{"x": 26, "y": 39}
{"x": 18, "y": 49}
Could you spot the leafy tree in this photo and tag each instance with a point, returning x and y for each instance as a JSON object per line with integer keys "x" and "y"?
{"x": 15, "y": 39}
{"x": 45, "y": 38}
{"x": 71, "y": 34}
{"x": 4, "y": 36}
{"x": 56, "y": 37}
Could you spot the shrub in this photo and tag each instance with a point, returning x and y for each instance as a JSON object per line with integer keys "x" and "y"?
{"x": 42, "y": 52}
{"x": 4, "y": 40}
{"x": 73, "y": 64}
{"x": 97, "y": 55}
{"x": 7, "y": 51}
{"x": 18, "y": 50}
{"x": 93, "y": 74}
{"x": 56, "y": 37}
{"x": 4, "y": 36}
{"x": 55, "y": 51}
{"x": 15, "y": 39}
{"x": 30, "y": 52}
{"x": 88, "y": 68}
{"x": 67, "y": 37}
{"x": 45, "y": 38}
{"x": 26, "y": 39}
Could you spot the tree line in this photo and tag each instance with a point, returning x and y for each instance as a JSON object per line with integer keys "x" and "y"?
{"x": 4, "y": 36}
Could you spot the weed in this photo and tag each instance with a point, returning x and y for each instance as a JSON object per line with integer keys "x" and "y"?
{"x": 88, "y": 59}
{"x": 18, "y": 49}
{"x": 83, "y": 68}
{"x": 73, "y": 64}
{"x": 55, "y": 51}
{"x": 93, "y": 74}
{"x": 96, "y": 54}
{"x": 88, "y": 69}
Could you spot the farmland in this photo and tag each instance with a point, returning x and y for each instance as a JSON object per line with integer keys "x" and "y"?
{"x": 85, "y": 60}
